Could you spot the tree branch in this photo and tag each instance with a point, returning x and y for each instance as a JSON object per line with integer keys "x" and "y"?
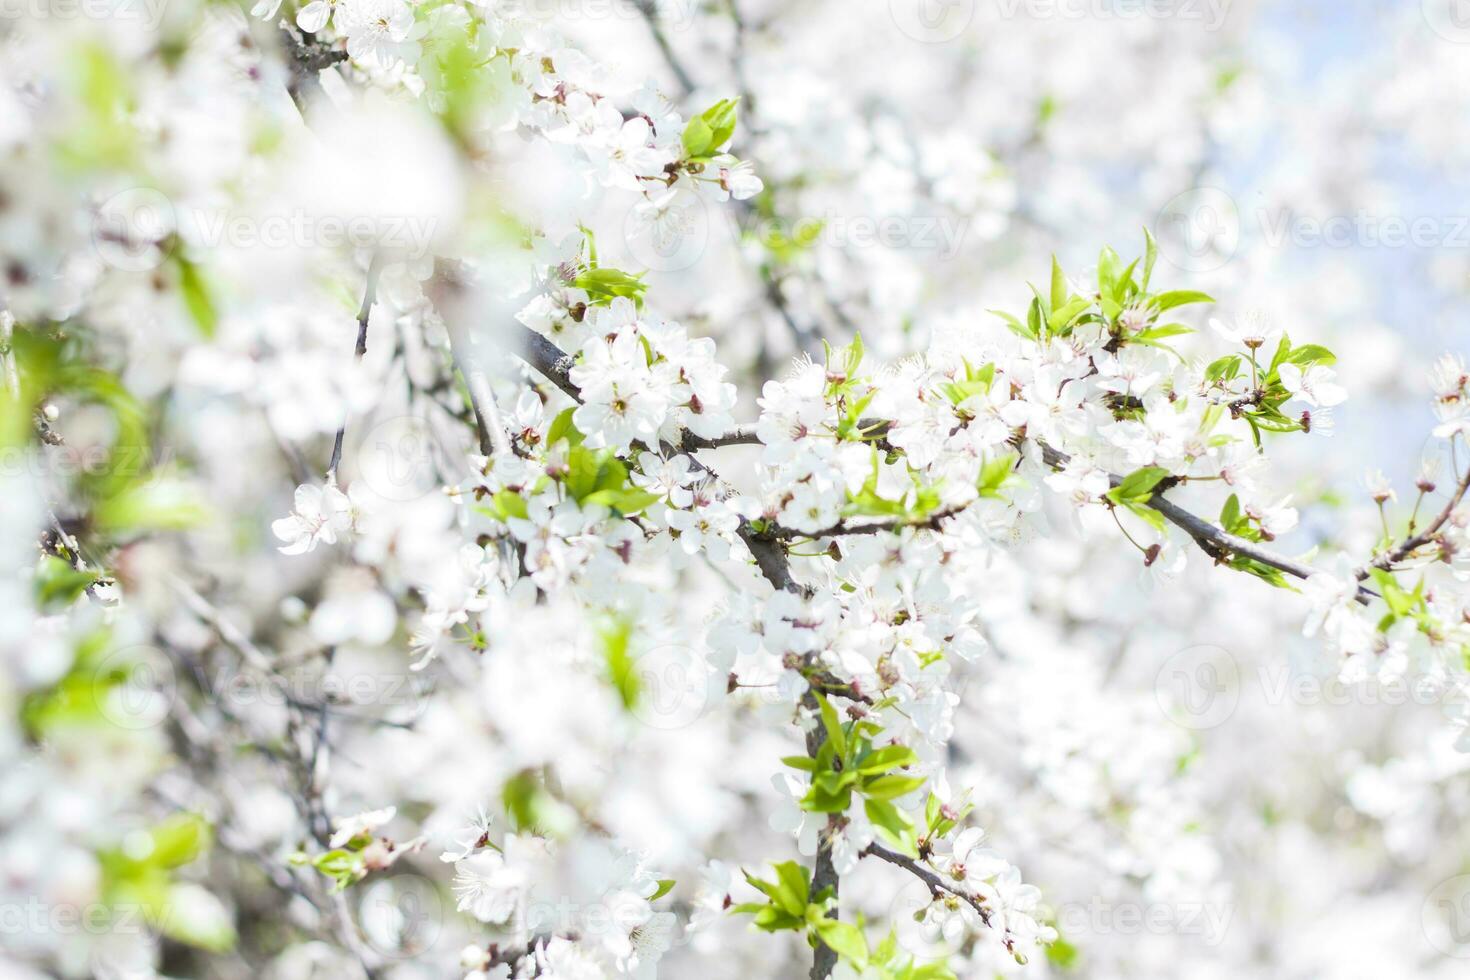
{"x": 555, "y": 364}
{"x": 1212, "y": 540}
{"x": 369, "y": 296}
{"x": 1417, "y": 541}
{"x": 937, "y": 885}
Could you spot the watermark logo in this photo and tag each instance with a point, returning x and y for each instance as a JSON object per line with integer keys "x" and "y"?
{"x": 398, "y": 459}
{"x": 135, "y": 230}
{"x": 919, "y": 917}
{"x": 674, "y": 687}
{"x": 134, "y": 687}
{"x": 68, "y": 462}
{"x": 33, "y": 917}
{"x": 402, "y": 915}
{"x": 674, "y": 15}
{"x": 1450, "y": 19}
{"x": 1445, "y": 917}
{"x": 1198, "y": 230}
{"x": 1198, "y": 687}
{"x": 669, "y": 233}
{"x": 1208, "y": 921}
{"x": 149, "y": 13}
{"x": 1210, "y": 14}
{"x": 1362, "y": 229}
{"x": 401, "y": 696}
{"x": 932, "y": 21}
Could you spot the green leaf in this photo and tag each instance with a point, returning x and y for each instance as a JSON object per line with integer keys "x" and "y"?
{"x": 161, "y": 504}
{"x": 793, "y": 887}
{"x": 1150, "y": 256}
{"x": 1223, "y": 369}
{"x": 57, "y": 582}
{"x": 178, "y": 840}
{"x": 707, "y": 133}
{"x": 845, "y": 939}
{"x": 1060, "y": 319}
{"x": 1179, "y": 297}
{"x": 665, "y": 885}
{"x": 1058, "y": 284}
{"x": 196, "y": 917}
{"x": 617, "y": 644}
{"x": 835, "y": 735}
{"x": 1138, "y": 486}
{"x": 1108, "y": 267}
{"x": 505, "y": 504}
{"x": 892, "y": 824}
{"x": 994, "y": 474}
{"x": 891, "y": 787}
{"x": 1016, "y": 326}
{"x": 562, "y": 428}
{"x": 605, "y": 285}
{"x": 1161, "y": 332}
{"x": 1146, "y": 513}
{"x": 197, "y": 298}
{"x": 1230, "y": 515}
{"x": 889, "y": 757}
{"x": 626, "y": 502}
{"x": 1311, "y": 354}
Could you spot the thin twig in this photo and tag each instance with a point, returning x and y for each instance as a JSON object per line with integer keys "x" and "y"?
{"x": 369, "y": 296}
{"x": 1417, "y": 541}
{"x": 937, "y": 884}
{"x": 555, "y": 364}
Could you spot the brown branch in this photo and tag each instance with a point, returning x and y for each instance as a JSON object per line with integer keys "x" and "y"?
{"x": 555, "y": 364}
{"x": 843, "y": 528}
{"x": 649, "y": 10}
{"x": 369, "y": 295}
{"x": 1212, "y": 540}
{"x": 770, "y": 558}
{"x": 1426, "y": 536}
{"x": 937, "y": 884}
{"x": 307, "y": 58}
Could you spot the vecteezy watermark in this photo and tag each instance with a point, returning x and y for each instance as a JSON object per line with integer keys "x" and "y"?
{"x": 1198, "y": 687}
{"x": 1445, "y": 917}
{"x": 1201, "y": 686}
{"x": 674, "y": 15}
{"x": 134, "y": 687}
{"x": 135, "y": 230}
{"x": 1198, "y": 230}
{"x": 1206, "y": 920}
{"x": 920, "y": 926}
{"x": 149, "y": 13}
{"x": 932, "y": 21}
{"x": 620, "y": 916}
{"x": 675, "y": 686}
{"x": 1362, "y": 229}
{"x": 672, "y": 232}
{"x": 33, "y": 917}
{"x": 1203, "y": 228}
{"x": 1450, "y": 19}
{"x": 1210, "y": 14}
{"x": 402, "y": 915}
{"x": 399, "y": 458}
{"x": 68, "y": 461}
{"x": 669, "y": 233}
{"x": 402, "y": 695}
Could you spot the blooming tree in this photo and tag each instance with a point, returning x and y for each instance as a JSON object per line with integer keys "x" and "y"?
{"x": 436, "y": 545}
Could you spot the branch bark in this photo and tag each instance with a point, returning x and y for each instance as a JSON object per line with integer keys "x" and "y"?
{"x": 1430, "y": 532}
{"x": 369, "y": 296}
